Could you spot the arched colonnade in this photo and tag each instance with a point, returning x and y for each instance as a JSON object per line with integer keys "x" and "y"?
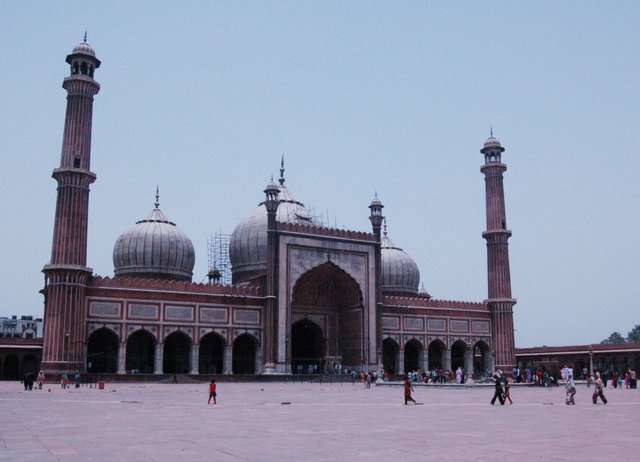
{"x": 141, "y": 353}
{"x": 413, "y": 356}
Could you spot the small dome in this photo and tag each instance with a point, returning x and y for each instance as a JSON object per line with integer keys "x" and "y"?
{"x": 248, "y": 244}
{"x": 154, "y": 248}
{"x": 83, "y": 48}
{"x": 400, "y": 274}
{"x": 492, "y": 142}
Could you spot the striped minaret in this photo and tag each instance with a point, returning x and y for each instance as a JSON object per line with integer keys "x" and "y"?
{"x": 66, "y": 274}
{"x": 500, "y": 302}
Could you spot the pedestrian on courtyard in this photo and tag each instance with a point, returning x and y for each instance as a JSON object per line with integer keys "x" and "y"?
{"x": 64, "y": 380}
{"x": 507, "y": 393}
{"x": 614, "y": 379}
{"x": 599, "y": 390}
{"x": 570, "y": 388}
{"x": 40, "y": 380}
{"x": 498, "y": 390}
{"x": 367, "y": 379}
{"x": 408, "y": 388}
{"x": 212, "y": 392}
{"x": 76, "y": 379}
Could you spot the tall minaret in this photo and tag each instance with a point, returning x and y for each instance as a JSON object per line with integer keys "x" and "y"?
{"x": 497, "y": 235}
{"x": 66, "y": 274}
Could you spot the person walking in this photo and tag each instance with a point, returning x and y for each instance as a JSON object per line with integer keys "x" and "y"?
{"x": 64, "y": 380}
{"x": 599, "y": 390}
{"x": 498, "y": 390}
{"x": 40, "y": 380}
{"x": 507, "y": 392}
{"x": 570, "y": 388}
{"x": 212, "y": 392}
{"x": 408, "y": 388}
{"x": 76, "y": 379}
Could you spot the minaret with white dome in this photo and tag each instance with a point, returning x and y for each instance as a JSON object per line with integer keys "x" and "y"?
{"x": 500, "y": 301}
{"x": 66, "y": 274}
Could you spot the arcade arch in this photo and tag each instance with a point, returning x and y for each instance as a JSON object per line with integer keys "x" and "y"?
{"x": 436, "y": 354}
{"x": 244, "y": 354}
{"x": 176, "y": 356}
{"x": 211, "y": 354}
{"x": 141, "y": 351}
{"x": 481, "y": 354}
{"x": 390, "y": 355}
{"x": 457, "y": 354}
{"x": 412, "y": 355}
{"x": 102, "y": 351}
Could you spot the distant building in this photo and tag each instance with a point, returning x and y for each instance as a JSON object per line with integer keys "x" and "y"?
{"x": 304, "y": 297}
{"x": 26, "y": 327}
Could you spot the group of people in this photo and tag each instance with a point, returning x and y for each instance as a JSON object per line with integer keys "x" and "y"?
{"x": 64, "y": 380}
{"x": 438, "y": 375}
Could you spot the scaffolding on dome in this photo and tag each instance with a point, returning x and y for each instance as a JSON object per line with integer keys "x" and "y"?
{"x": 218, "y": 253}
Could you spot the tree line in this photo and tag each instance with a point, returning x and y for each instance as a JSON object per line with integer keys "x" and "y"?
{"x": 632, "y": 336}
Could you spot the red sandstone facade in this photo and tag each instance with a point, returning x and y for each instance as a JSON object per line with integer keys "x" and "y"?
{"x": 306, "y": 298}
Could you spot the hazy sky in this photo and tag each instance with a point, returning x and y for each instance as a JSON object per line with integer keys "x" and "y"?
{"x": 203, "y": 98}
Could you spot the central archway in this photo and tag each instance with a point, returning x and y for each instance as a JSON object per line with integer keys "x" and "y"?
{"x": 307, "y": 347}
{"x": 211, "y": 358}
{"x": 329, "y": 293}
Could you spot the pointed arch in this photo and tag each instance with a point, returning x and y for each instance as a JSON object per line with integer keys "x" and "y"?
{"x": 102, "y": 351}
{"x": 244, "y": 354}
{"x": 307, "y": 347}
{"x": 436, "y": 350}
{"x": 141, "y": 352}
{"x": 457, "y": 354}
{"x": 412, "y": 352}
{"x": 211, "y": 354}
{"x": 176, "y": 358}
{"x": 390, "y": 355}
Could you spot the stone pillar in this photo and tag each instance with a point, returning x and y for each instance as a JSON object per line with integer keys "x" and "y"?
{"x": 227, "y": 366}
{"x": 590, "y": 361}
{"x": 422, "y": 361}
{"x": 195, "y": 358}
{"x": 468, "y": 363}
{"x": 446, "y": 360}
{"x": 400, "y": 369}
{"x": 159, "y": 358}
{"x": 260, "y": 367}
{"x": 122, "y": 358}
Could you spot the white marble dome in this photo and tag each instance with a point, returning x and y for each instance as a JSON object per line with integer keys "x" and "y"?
{"x": 400, "y": 274}
{"x": 248, "y": 244}
{"x": 154, "y": 248}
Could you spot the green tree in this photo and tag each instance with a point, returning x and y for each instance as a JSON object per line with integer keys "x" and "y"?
{"x": 634, "y": 334}
{"x": 615, "y": 338}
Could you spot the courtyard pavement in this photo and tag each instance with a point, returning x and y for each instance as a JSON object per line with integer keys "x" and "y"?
{"x": 312, "y": 422}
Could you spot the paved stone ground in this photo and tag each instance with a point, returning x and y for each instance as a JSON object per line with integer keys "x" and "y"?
{"x": 158, "y": 422}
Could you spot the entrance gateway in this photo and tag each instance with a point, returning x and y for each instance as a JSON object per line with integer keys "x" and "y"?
{"x": 328, "y": 326}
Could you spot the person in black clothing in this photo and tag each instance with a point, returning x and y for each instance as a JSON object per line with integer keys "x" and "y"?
{"x": 498, "y": 390}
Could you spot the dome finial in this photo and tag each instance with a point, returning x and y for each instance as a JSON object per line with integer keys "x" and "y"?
{"x": 385, "y": 227}
{"x": 491, "y": 130}
{"x": 85, "y": 36}
{"x": 281, "y": 179}
{"x": 157, "y": 203}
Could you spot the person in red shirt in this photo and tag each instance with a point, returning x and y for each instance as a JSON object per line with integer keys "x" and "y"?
{"x": 408, "y": 388}
{"x": 212, "y": 392}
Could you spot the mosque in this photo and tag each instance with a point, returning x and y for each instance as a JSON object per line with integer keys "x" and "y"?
{"x": 304, "y": 297}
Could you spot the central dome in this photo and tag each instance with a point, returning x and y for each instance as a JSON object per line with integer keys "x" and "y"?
{"x": 248, "y": 244}
{"x": 154, "y": 248}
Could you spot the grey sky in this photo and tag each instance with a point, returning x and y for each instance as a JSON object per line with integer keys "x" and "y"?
{"x": 203, "y": 98}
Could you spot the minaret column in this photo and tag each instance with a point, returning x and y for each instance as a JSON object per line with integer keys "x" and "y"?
{"x": 499, "y": 301}
{"x": 271, "y": 203}
{"x": 376, "y": 219}
{"x": 66, "y": 274}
